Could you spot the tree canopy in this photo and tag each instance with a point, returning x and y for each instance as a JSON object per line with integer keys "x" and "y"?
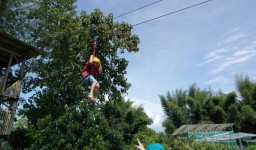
{"x": 59, "y": 114}
{"x": 197, "y": 105}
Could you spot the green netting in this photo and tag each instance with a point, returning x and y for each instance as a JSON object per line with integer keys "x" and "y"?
{"x": 200, "y": 135}
{"x": 247, "y": 138}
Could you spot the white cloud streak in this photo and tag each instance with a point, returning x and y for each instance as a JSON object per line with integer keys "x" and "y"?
{"x": 215, "y": 80}
{"x": 231, "y": 61}
{"x": 215, "y": 55}
{"x": 234, "y": 30}
{"x": 234, "y": 37}
{"x": 223, "y": 59}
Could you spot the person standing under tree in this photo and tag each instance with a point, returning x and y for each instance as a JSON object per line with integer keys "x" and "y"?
{"x": 92, "y": 67}
{"x": 152, "y": 146}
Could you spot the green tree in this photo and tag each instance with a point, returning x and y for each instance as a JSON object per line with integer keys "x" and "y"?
{"x": 182, "y": 143}
{"x": 124, "y": 121}
{"x": 195, "y": 110}
{"x": 207, "y": 106}
{"x": 214, "y": 110}
{"x": 195, "y": 101}
{"x": 169, "y": 127}
{"x": 13, "y": 17}
{"x": 230, "y": 100}
{"x": 233, "y": 116}
{"x": 20, "y": 139}
{"x": 148, "y": 136}
{"x": 81, "y": 128}
{"x": 175, "y": 113}
{"x": 247, "y": 108}
{"x": 110, "y": 126}
{"x": 248, "y": 119}
{"x": 55, "y": 78}
{"x": 67, "y": 39}
{"x": 247, "y": 90}
{"x": 193, "y": 106}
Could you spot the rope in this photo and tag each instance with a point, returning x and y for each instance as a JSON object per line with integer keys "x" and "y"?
{"x": 173, "y": 12}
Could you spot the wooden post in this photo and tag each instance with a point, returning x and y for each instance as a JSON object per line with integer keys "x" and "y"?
{"x": 22, "y": 70}
{"x": 7, "y": 71}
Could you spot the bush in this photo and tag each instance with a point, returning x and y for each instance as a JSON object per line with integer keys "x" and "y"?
{"x": 20, "y": 139}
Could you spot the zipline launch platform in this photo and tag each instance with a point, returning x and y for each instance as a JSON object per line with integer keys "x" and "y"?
{"x": 13, "y": 53}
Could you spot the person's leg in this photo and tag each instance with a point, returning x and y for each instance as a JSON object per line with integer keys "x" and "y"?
{"x": 93, "y": 81}
{"x": 96, "y": 90}
{"x": 92, "y": 91}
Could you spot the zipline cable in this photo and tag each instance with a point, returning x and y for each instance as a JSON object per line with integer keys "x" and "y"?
{"x": 137, "y": 9}
{"x": 172, "y": 12}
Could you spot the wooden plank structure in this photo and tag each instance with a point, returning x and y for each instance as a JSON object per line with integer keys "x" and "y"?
{"x": 203, "y": 128}
{"x": 12, "y": 52}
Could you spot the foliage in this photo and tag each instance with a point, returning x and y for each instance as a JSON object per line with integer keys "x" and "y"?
{"x": 251, "y": 147}
{"x": 147, "y": 136}
{"x": 172, "y": 110}
{"x": 248, "y": 119}
{"x": 247, "y": 108}
{"x": 231, "y": 99}
{"x": 20, "y": 139}
{"x": 13, "y": 17}
{"x": 67, "y": 39}
{"x": 194, "y": 106}
{"x": 182, "y": 107}
{"x": 89, "y": 127}
{"x": 81, "y": 128}
{"x": 233, "y": 115}
{"x": 21, "y": 122}
{"x": 56, "y": 117}
{"x": 169, "y": 127}
{"x": 124, "y": 120}
{"x": 247, "y": 90}
{"x": 186, "y": 144}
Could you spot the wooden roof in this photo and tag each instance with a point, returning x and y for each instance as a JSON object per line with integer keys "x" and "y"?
{"x": 202, "y": 128}
{"x": 10, "y": 45}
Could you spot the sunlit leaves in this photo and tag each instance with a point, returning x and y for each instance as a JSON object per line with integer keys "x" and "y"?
{"x": 207, "y": 106}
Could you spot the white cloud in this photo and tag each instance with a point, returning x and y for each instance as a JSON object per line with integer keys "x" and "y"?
{"x": 157, "y": 123}
{"x": 216, "y": 80}
{"x": 234, "y": 30}
{"x": 244, "y": 52}
{"x": 154, "y": 110}
{"x": 222, "y": 59}
{"x": 214, "y": 55}
{"x": 234, "y": 37}
{"x": 229, "y": 62}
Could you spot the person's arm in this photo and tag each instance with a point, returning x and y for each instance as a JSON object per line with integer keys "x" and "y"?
{"x": 139, "y": 146}
{"x": 91, "y": 59}
{"x": 100, "y": 68}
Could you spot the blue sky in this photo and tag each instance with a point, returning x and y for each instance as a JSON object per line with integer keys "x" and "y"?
{"x": 206, "y": 45}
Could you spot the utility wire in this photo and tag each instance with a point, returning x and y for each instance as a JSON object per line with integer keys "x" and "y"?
{"x": 137, "y": 9}
{"x": 172, "y": 12}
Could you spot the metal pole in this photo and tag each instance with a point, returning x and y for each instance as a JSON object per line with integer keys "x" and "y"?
{"x": 241, "y": 144}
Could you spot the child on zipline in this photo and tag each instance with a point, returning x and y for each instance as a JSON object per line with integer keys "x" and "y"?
{"x": 92, "y": 67}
